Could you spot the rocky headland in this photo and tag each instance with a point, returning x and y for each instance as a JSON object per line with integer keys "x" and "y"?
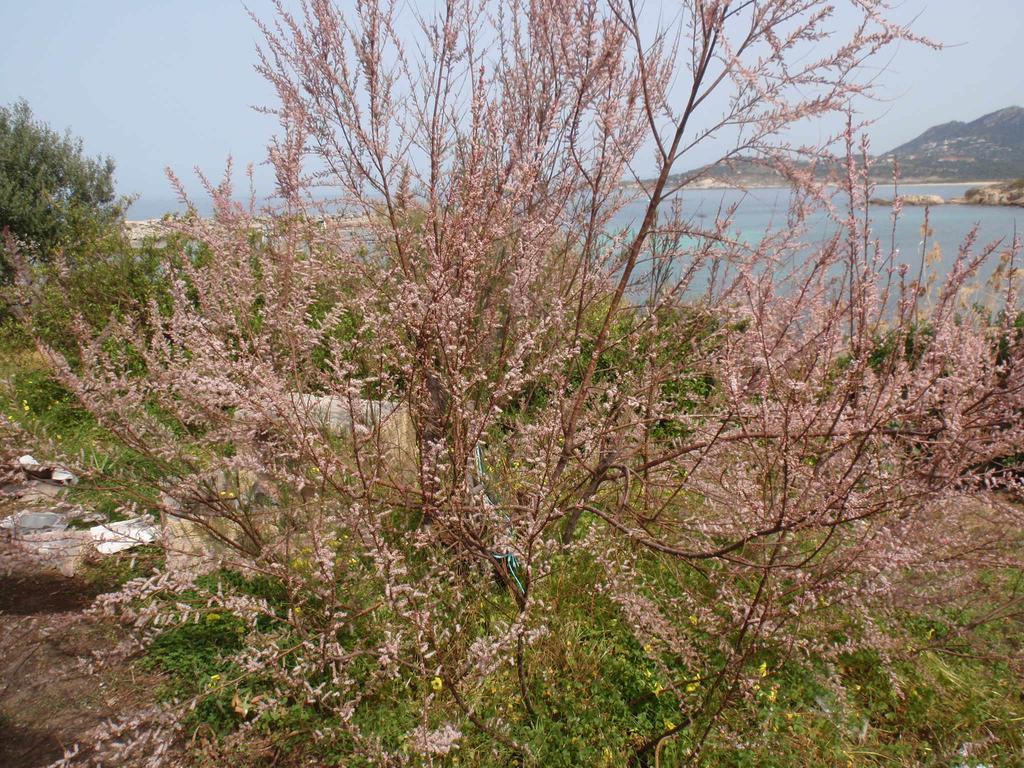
{"x": 1010, "y": 193}
{"x": 156, "y": 231}
{"x": 911, "y": 200}
{"x": 1007, "y": 193}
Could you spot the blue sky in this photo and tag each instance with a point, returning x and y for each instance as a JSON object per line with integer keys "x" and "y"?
{"x": 171, "y": 83}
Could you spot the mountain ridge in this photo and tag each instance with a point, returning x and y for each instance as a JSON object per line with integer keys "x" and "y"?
{"x": 989, "y": 148}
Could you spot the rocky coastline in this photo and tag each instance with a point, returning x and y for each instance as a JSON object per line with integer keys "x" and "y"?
{"x": 156, "y": 231}
{"x": 1009, "y": 193}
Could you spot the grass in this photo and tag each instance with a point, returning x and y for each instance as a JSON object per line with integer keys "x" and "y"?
{"x": 598, "y": 696}
{"x": 110, "y": 573}
{"x": 58, "y": 429}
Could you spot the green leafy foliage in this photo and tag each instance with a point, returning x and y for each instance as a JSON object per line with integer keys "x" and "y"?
{"x": 52, "y": 196}
{"x": 111, "y": 279}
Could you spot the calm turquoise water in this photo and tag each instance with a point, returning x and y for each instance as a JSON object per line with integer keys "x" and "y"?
{"x": 763, "y": 210}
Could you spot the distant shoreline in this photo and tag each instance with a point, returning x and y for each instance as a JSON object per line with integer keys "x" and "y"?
{"x": 880, "y": 187}
{"x": 946, "y": 183}
{"x": 741, "y": 186}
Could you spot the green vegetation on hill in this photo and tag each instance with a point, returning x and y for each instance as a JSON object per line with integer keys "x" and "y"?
{"x": 990, "y": 148}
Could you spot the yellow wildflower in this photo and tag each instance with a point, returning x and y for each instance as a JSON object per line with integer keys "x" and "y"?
{"x": 693, "y": 619}
{"x": 669, "y": 725}
{"x": 692, "y": 687}
{"x": 763, "y": 669}
{"x": 214, "y": 678}
{"x": 437, "y": 684}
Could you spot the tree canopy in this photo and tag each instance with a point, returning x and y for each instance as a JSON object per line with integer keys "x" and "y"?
{"x": 51, "y": 194}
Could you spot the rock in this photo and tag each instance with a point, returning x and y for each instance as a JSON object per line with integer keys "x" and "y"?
{"x": 138, "y": 231}
{"x": 335, "y": 414}
{"x": 64, "y": 550}
{"x": 196, "y": 540}
{"x": 191, "y": 546}
{"x": 1011, "y": 193}
{"x": 922, "y": 200}
{"x": 909, "y": 200}
{"x": 187, "y": 545}
{"x": 708, "y": 182}
{"x": 40, "y": 493}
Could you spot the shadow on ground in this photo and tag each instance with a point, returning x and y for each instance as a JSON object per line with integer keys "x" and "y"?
{"x": 50, "y": 696}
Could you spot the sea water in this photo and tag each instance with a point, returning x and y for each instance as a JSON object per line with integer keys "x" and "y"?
{"x": 764, "y": 210}
{"x": 759, "y": 211}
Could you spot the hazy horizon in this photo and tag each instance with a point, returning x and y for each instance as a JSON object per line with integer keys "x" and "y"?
{"x": 157, "y": 86}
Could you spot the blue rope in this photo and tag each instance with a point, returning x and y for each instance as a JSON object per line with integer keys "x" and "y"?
{"x": 508, "y": 559}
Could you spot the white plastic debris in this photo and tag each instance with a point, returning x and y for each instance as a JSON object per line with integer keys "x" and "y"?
{"x": 117, "y": 537}
{"x": 46, "y": 473}
{"x": 34, "y": 521}
{"x": 62, "y": 476}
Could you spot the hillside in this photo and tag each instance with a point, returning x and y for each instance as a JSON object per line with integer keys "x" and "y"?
{"x": 989, "y": 148}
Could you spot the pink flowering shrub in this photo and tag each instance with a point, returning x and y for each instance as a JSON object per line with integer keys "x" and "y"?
{"x": 467, "y": 424}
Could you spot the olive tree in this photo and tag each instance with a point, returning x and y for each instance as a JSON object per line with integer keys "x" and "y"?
{"x": 52, "y": 196}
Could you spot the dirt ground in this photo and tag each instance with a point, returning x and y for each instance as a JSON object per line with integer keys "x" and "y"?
{"x": 49, "y": 699}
